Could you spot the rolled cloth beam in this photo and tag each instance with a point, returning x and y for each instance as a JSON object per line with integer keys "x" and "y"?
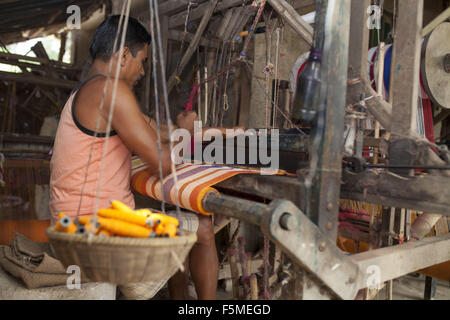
{"x": 194, "y": 182}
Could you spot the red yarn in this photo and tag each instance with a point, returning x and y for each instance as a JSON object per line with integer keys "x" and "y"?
{"x": 191, "y": 102}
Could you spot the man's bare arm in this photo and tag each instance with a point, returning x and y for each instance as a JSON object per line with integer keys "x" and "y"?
{"x": 163, "y": 129}
{"x": 135, "y": 132}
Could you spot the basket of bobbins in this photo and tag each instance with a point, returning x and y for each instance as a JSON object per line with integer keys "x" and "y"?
{"x": 122, "y": 245}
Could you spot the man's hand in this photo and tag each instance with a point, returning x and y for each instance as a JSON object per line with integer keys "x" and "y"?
{"x": 186, "y": 120}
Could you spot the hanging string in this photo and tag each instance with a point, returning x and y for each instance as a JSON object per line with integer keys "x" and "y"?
{"x": 158, "y": 121}
{"x": 277, "y": 77}
{"x": 225, "y": 96}
{"x": 252, "y": 30}
{"x": 111, "y": 112}
{"x": 226, "y": 69}
{"x": 273, "y": 102}
{"x": 102, "y": 101}
{"x": 242, "y": 54}
{"x": 184, "y": 33}
{"x": 192, "y": 96}
{"x": 268, "y": 70}
{"x": 166, "y": 99}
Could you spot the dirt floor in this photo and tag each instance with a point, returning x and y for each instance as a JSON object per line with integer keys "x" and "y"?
{"x": 413, "y": 287}
{"x": 410, "y": 287}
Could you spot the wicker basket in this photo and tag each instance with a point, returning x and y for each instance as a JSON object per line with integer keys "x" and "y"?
{"x": 122, "y": 260}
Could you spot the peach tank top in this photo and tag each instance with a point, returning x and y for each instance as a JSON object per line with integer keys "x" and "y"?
{"x": 68, "y": 167}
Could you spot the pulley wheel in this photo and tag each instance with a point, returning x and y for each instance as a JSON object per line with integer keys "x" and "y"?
{"x": 435, "y": 66}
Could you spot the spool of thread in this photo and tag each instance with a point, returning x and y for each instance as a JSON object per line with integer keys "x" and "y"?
{"x": 65, "y": 224}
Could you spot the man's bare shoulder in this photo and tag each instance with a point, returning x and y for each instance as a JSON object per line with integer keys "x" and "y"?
{"x": 101, "y": 87}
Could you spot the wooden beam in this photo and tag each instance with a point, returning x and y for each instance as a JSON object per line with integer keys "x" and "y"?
{"x": 405, "y": 94}
{"x": 225, "y": 271}
{"x": 327, "y": 180}
{"x": 177, "y": 35}
{"x": 441, "y": 116}
{"x": 173, "y": 6}
{"x": 291, "y": 16}
{"x": 179, "y": 19}
{"x": 20, "y": 77}
{"x": 16, "y": 57}
{"x": 405, "y": 70}
{"x": 193, "y": 45}
{"x": 437, "y": 21}
{"x": 302, "y": 4}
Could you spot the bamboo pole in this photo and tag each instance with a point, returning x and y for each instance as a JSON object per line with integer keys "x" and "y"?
{"x": 380, "y": 92}
{"x": 291, "y": 16}
{"x": 192, "y": 46}
{"x": 234, "y": 273}
{"x": 253, "y": 287}
{"x": 199, "y": 96}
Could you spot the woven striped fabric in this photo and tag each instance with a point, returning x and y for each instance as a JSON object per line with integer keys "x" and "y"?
{"x": 194, "y": 181}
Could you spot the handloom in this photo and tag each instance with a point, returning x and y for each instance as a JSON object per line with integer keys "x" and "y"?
{"x": 194, "y": 181}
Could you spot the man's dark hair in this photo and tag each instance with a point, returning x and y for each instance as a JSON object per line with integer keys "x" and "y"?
{"x": 103, "y": 41}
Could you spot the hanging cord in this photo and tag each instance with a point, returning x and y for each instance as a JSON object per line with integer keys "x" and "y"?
{"x": 225, "y": 96}
{"x": 166, "y": 101}
{"x": 158, "y": 121}
{"x": 111, "y": 112}
{"x": 217, "y": 66}
{"x": 242, "y": 54}
{"x": 273, "y": 102}
{"x": 241, "y": 57}
{"x": 252, "y": 30}
{"x": 225, "y": 105}
{"x": 277, "y": 77}
{"x": 221, "y": 88}
{"x": 380, "y": 4}
{"x": 102, "y": 102}
{"x": 268, "y": 69}
{"x": 185, "y": 32}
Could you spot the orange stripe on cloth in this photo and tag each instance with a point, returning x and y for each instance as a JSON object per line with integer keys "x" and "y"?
{"x": 194, "y": 181}
{"x": 183, "y": 187}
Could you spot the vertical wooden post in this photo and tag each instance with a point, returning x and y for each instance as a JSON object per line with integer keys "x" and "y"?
{"x": 234, "y": 273}
{"x": 62, "y": 48}
{"x": 326, "y": 183}
{"x": 253, "y": 287}
{"x": 430, "y": 288}
{"x": 404, "y": 84}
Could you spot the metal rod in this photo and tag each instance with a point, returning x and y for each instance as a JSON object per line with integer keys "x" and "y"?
{"x": 248, "y": 211}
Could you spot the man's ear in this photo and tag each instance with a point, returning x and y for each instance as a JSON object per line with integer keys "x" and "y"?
{"x": 126, "y": 56}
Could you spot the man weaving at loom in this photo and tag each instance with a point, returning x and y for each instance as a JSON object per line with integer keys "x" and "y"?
{"x": 77, "y": 156}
